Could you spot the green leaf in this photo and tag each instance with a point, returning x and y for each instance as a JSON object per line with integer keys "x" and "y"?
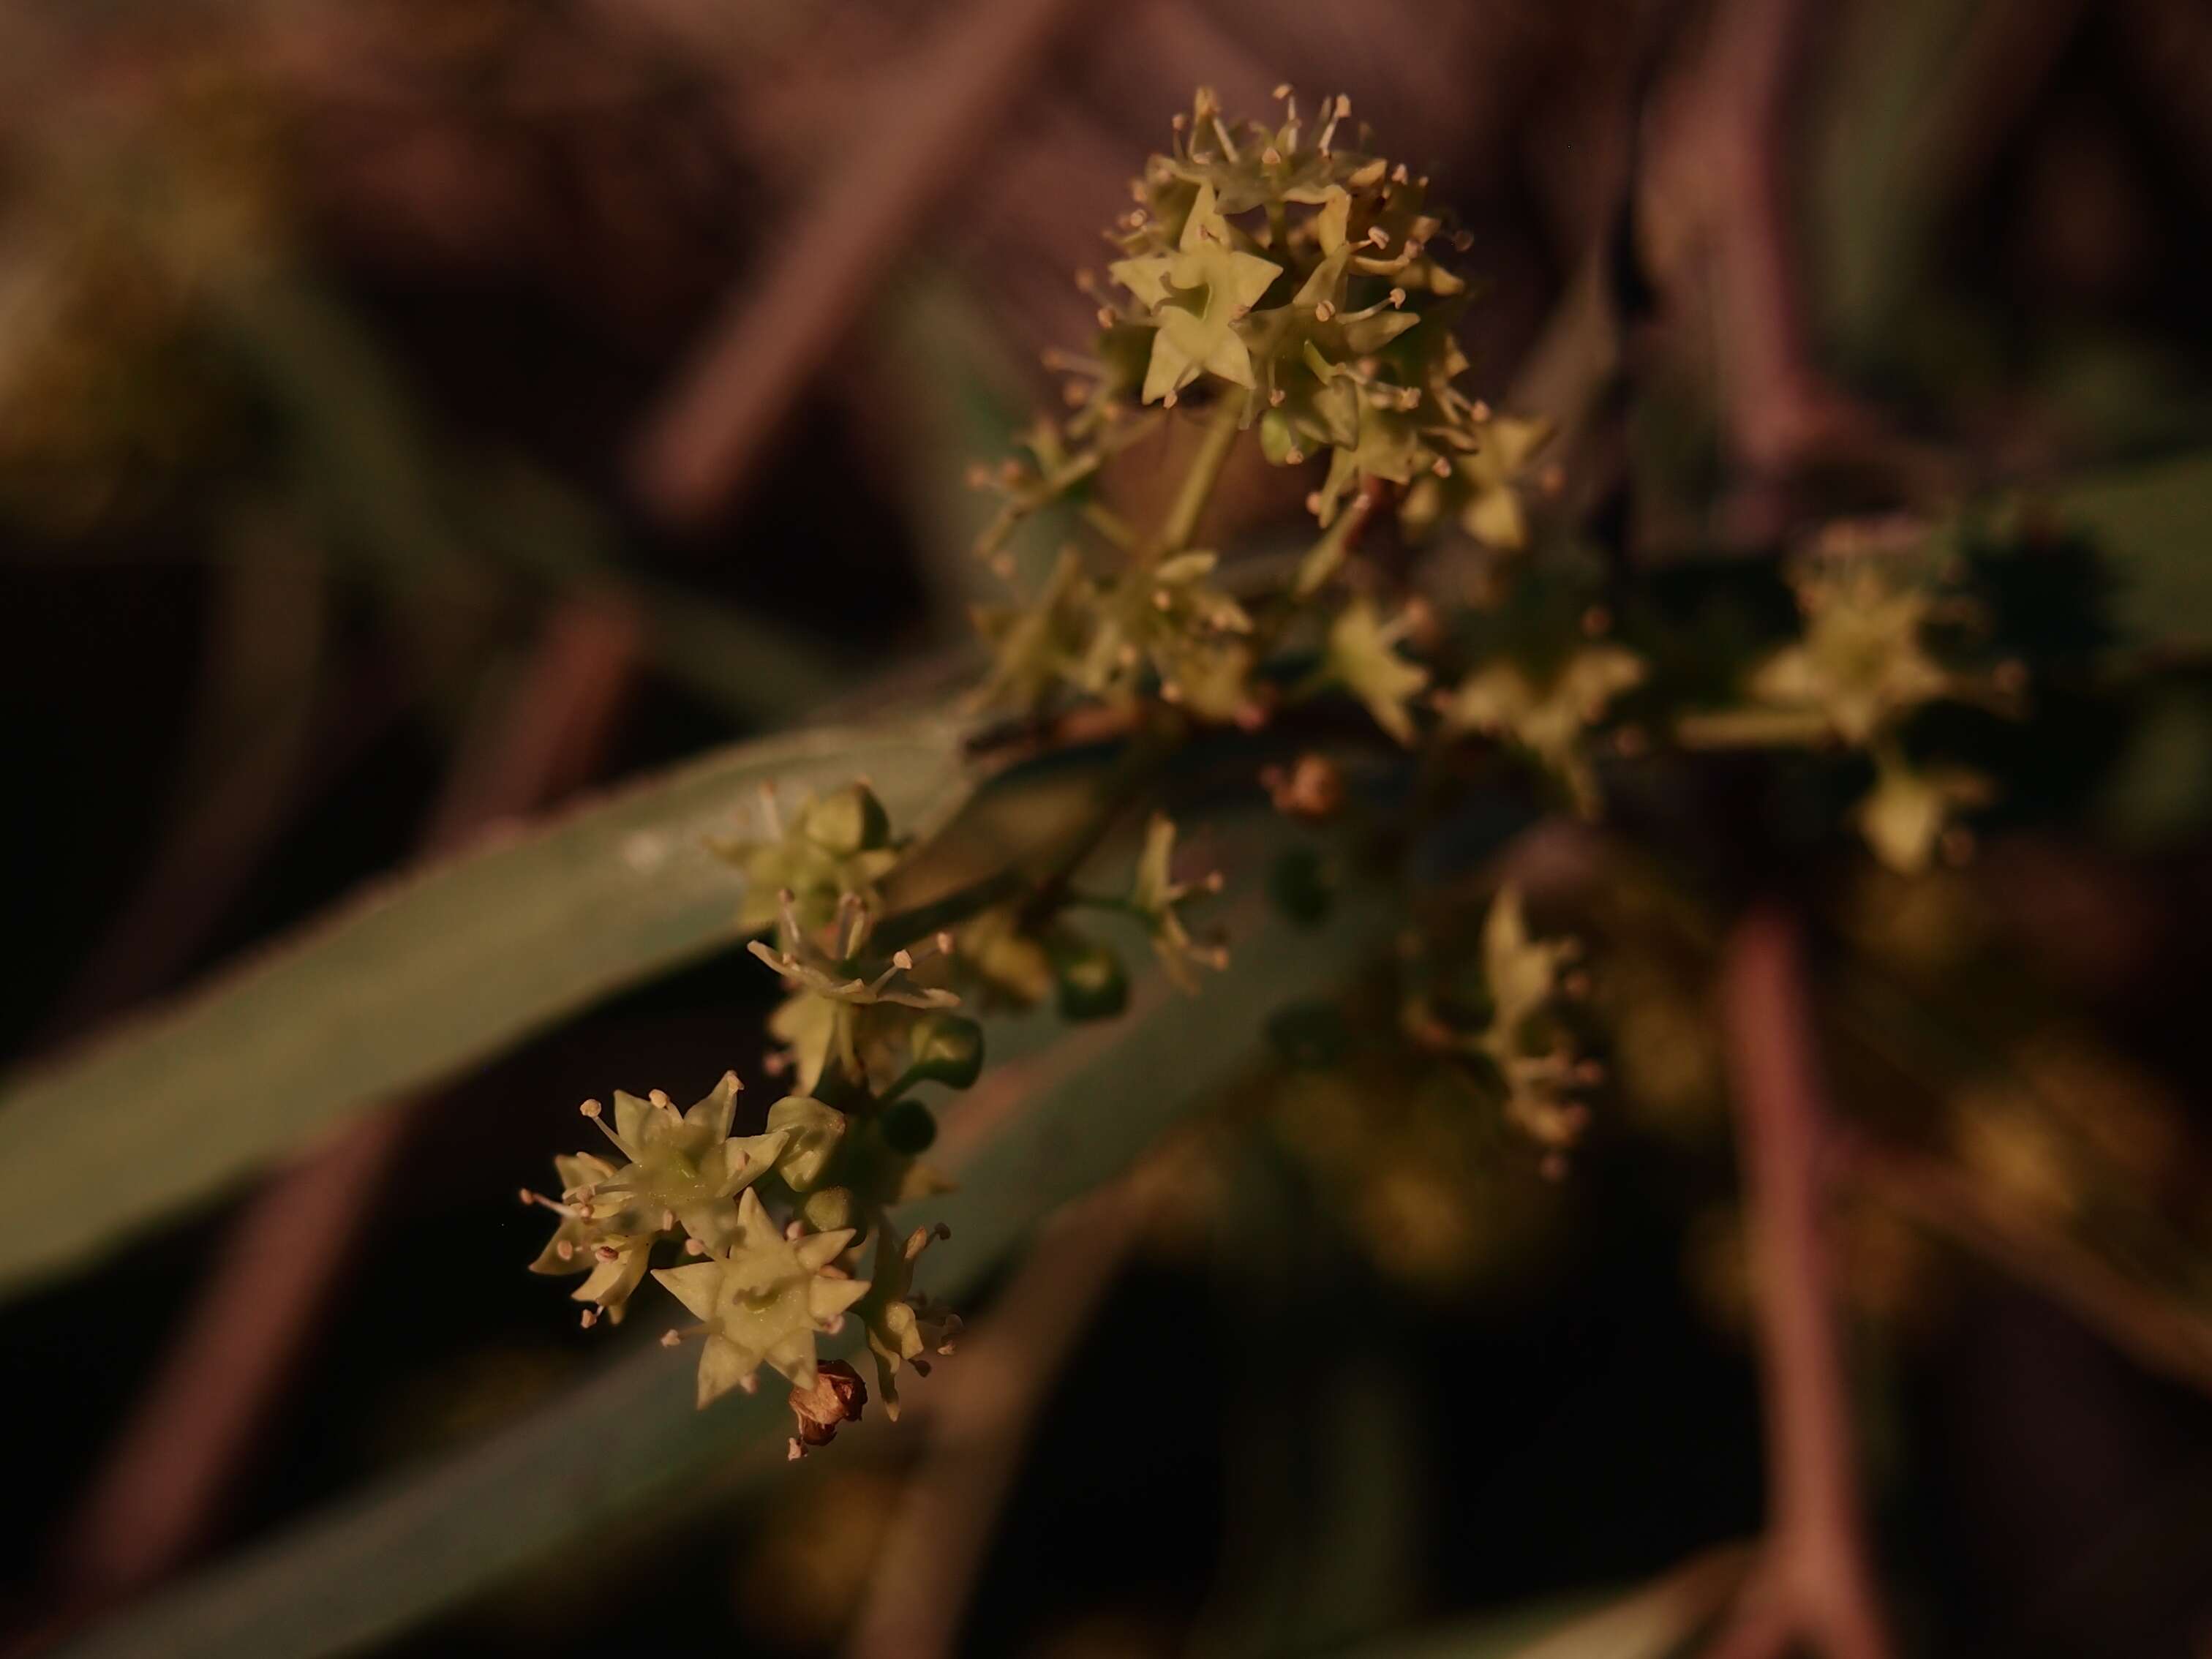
{"x": 410, "y": 982}
{"x": 393, "y": 495}
{"x": 2153, "y": 522}
{"x": 1651, "y": 1623}
{"x": 1056, "y": 1113}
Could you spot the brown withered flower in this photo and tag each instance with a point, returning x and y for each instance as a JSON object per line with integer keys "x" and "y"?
{"x": 1311, "y": 787}
{"x": 838, "y": 1396}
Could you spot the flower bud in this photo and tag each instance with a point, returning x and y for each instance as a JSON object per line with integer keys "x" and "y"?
{"x": 814, "y": 1131}
{"x": 829, "y": 1209}
{"x": 837, "y": 1397}
{"x": 850, "y": 821}
{"x": 908, "y": 1128}
{"x": 1092, "y": 982}
{"x": 946, "y": 1048}
{"x": 1312, "y": 788}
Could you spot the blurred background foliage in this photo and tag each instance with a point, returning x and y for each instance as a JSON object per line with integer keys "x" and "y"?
{"x": 413, "y": 412}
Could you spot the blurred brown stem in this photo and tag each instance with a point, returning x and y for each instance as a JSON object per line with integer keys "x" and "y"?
{"x": 982, "y": 1415}
{"x": 1814, "y": 1581}
{"x": 177, "y": 1457}
{"x": 1719, "y": 209}
{"x": 777, "y": 328}
{"x": 2158, "y": 1333}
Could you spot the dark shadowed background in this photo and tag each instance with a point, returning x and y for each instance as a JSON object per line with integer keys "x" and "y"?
{"x": 416, "y": 412}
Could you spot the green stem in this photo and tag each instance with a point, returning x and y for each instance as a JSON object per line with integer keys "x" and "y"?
{"x": 1328, "y": 554}
{"x": 1109, "y": 902}
{"x": 1146, "y": 754}
{"x": 1110, "y": 525}
{"x": 1205, "y": 473}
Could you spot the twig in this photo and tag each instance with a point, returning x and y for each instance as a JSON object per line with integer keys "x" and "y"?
{"x": 177, "y": 1457}
{"x": 775, "y": 330}
{"x": 1718, "y": 186}
{"x": 984, "y": 1410}
{"x": 2156, "y": 1333}
{"x": 1814, "y": 1581}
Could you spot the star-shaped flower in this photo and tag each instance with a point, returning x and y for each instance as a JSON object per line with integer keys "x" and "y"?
{"x": 1484, "y": 488}
{"x": 902, "y": 1327}
{"x": 764, "y": 1302}
{"x": 1863, "y": 664}
{"x": 832, "y": 983}
{"x": 1362, "y": 656}
{"x": 1547, "y": 715}
{"x": 835, "y": 844}
{"x": 1170, "y": 617}
{"x": 1523, "y": 977}
{"x": 1156, "y": 895}
{"x": 1196, "y": 295}
{"x": 612, "y": 1244}
{"x": 683, "y": 1167}
{"x": 1533, "y": 1067}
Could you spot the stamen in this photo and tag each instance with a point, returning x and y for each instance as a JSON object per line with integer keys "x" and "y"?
{"x": 593, "y": 1110}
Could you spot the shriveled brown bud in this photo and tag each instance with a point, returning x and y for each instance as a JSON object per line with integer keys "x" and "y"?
{"x": 1312, "y": 788}
{"x": 837, "y": 1397}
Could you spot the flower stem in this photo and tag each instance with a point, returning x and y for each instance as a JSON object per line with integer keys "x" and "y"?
{"x": 1817, "y": 1581}
{"x": 1204, "y": 473}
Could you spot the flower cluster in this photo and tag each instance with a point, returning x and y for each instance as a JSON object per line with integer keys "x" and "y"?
{"x": 1497, "y": 1018}
{"x": 780, "y": 1224}
{"x": 1291, "y": 281}
{"x": 780, "y": 1221}
{"x": 1286, "y": 283}
{"x": 1885, "y": 636}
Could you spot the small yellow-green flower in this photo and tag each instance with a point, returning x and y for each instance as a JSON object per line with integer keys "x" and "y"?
{"x": 1196, "y": 295}
{"x": 833, "y": 984}
{"x": 1363, "y": 656}
{"x": 1482, "y": 489}
{"x": 1549, "y": 716}
{"x": 1156, "y": 896}
{"x": 764, "y": 1302}
{"x": 902, "y": 1327}
{"x": 1906, "y": 813}
{"x": 1863, "y": 664}
{"x": 683, "y": 1167}
{"x": 835, "y": 844}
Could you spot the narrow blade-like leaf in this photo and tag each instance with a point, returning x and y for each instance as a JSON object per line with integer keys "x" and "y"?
{"x": 410, "y": 982}
{"x": 1058, "y": 1112}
